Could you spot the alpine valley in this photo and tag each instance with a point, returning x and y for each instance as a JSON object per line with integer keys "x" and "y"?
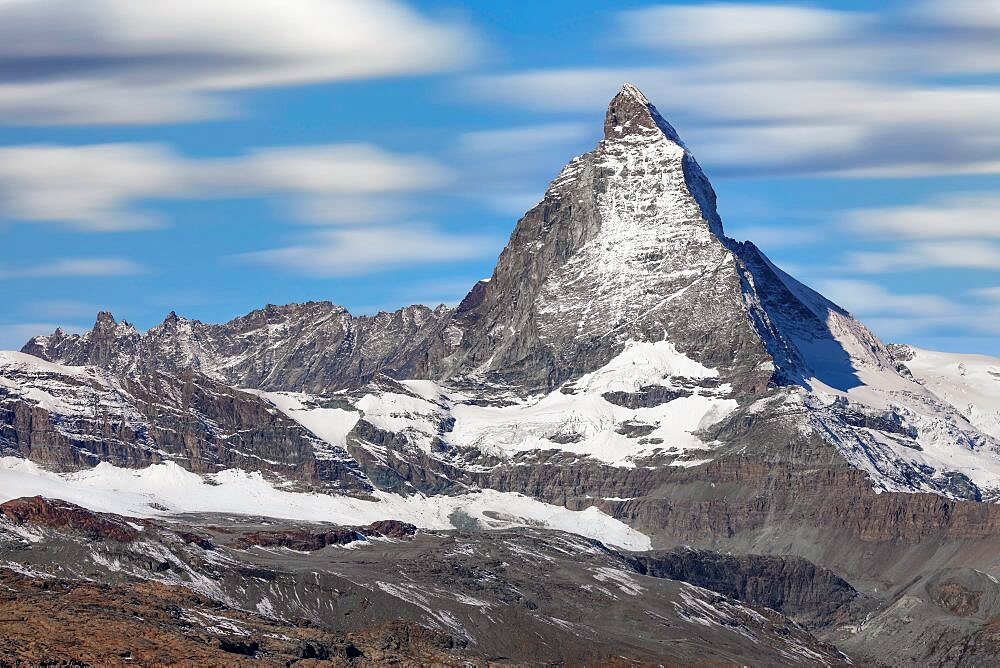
{"x": 638, "y": 442}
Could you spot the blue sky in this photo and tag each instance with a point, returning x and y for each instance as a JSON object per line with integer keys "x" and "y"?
{"x": 212, "y": 156}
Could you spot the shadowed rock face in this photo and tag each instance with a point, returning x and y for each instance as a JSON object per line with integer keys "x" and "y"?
{"x": 812, "y": 596}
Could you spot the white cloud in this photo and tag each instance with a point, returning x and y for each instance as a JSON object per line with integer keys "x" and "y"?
{"x": 119, "y": 61}
{"x": 727, "y": 25}
{"x": 90, "y": 186}
{"x": 927, "y": 255}
{"x": 75, "y": 267}
{"x": 348, "y": 209}
{"x": 970, "y": 214}
{"x": 97, "y": 187}
{"x": 369, "y": 250}
{"x": 507, "y": 168}
{"x": 524, "y": 139}
{"x": 988, "y": 293}
{"x": 866, "y": 298}
{"x": 339, "y": 168}
{"x": 976, "y": 14}
{"x": 761, "y": 89}
{"x": 897, "y": 316}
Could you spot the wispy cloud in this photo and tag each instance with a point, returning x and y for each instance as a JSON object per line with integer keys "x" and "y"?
{"x": 119, "y": 61}
{"x": 927, "y": 255}
{"x": 729, "y": 25}
{"x": 767, "y": 236}
{"x": 955, "y": 215}
{"x": 520, "y": 140}
{"x": 369, "y": 250}
{"x": 507, "y": 168}
{"x": 98, "y": 187}
{"x": 867, "y": 298}
{"x": 763, "y": 89}
{"x": 992, "y": 293}
{"x": 75, "y": 267}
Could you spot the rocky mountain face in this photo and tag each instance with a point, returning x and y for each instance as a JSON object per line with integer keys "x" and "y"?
{"x": 314, "y": 347}
{"x": 69, "y": 418}
{"x": 628, "y": 373}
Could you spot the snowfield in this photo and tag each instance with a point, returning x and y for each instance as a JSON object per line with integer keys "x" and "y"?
{"x": 143, "y": 492}
{"x": 970, "y": 383}
{"x": 576, "y": 419}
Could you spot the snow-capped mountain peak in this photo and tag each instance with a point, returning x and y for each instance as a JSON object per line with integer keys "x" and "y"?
{"x": 623, "y": 259}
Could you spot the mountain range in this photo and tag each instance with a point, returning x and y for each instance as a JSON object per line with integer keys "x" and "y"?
{"x": 634, "y": 410}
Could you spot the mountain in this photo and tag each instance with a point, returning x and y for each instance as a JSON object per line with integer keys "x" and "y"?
{"x": 315, "y": 346}
{"x": 628, "y": 373}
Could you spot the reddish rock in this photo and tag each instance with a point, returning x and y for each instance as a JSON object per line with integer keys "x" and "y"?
{"x": 58, "y": 514}
{"x": 308, "y": 541}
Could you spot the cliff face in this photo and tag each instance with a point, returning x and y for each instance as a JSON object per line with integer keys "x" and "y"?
{"x": 69, "y": 418}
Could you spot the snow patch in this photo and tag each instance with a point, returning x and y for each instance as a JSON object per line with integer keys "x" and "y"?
{"x": 142, "y": 492}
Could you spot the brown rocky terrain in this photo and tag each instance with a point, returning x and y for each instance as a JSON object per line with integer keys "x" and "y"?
{"x": 204, "y": 591}
{"x": 51, "y": 621}
{"x": 57, "y": 514}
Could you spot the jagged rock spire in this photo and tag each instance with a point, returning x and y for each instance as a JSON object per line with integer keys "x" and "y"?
{"x": 104, "y": 318}
{"x": 630, "y": 113}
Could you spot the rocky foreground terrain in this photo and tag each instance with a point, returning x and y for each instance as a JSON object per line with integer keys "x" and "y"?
{"x": 638, "y": 442}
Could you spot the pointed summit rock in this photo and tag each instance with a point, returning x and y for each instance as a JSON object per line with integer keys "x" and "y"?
{"x": 631, "y": 114}
{"x": 625, "y": 246}
{"x": 105, "y": 319}
{"x": 108, "y": 344}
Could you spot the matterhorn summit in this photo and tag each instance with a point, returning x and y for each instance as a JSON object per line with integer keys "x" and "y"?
{"x": 629, "y": 384}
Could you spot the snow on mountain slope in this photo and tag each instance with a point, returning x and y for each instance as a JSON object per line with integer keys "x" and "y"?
{"x": 970, "y": 383}
{"x": 925, "y": 428}
{"x": 591, "y": 416}
{"x": 68, "y": 391}
{"x": 146, "y": 492}
{"x": 581, "y": 417}
{"x": 329, "y": 423}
